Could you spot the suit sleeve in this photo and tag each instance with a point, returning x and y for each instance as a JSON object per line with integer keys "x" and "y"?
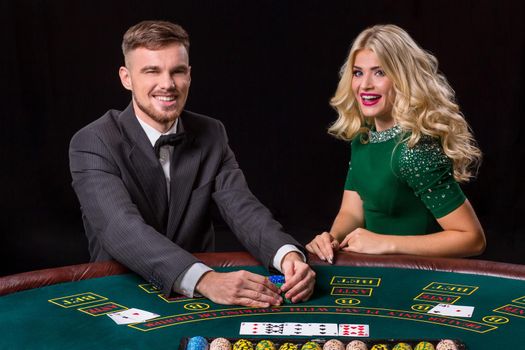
{"x": 115, "y": 220}
{"x": 250, "y": 221}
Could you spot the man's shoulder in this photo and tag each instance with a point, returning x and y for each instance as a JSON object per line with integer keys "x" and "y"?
{"x": 107, "y": 123}
{"x": 104, "y": 129}
{"x": 197, "y": 118}
{"x": 107, "y": 120}
{"x": 200, "y": 124}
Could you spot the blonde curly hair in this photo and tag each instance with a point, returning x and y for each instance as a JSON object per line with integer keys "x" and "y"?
{"x": 424, "y": 103}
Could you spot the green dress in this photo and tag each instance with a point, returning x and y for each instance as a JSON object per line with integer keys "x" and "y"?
{"x": 403, "y": 189}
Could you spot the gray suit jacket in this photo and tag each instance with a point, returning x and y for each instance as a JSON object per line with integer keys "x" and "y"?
{"x": 122, "y": 192}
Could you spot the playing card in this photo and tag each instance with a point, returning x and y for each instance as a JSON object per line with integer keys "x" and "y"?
{"x": 132, "y": 316}
{"x": 452, "y": 310}
{"x": 265, "y": 328}
{"x": 354, "y": 330}
{"x": 118, "y": 319}
{"x": 296, "y": 328}
{"x": 323, "y": 328}
{"x": 139, "y": 315}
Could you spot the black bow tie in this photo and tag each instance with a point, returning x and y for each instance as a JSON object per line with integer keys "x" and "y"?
{"x": 170, "y": 139}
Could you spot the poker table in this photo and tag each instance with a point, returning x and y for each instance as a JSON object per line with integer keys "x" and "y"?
{"x": 67, "y": 307}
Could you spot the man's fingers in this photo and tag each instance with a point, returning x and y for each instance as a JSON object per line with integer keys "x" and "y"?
{"x": 303, "y": 295}
{"x": 240, "y": 288}
{"x": 257, "y": 287}
{"x": 301, "y": 290}
{"x": 300, "y": 281}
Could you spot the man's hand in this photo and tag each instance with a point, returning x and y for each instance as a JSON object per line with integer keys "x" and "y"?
{"x": 300, "y": 278}
{"x": 238, "y": 288}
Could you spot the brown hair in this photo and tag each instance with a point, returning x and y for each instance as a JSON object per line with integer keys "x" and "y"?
{"x": 154, "y": 35}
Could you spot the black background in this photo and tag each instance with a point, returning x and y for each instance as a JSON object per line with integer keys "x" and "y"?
{"x": 267, "y": 69}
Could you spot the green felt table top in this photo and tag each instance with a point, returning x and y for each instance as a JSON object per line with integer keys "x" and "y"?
{"x": 393, "y": 302}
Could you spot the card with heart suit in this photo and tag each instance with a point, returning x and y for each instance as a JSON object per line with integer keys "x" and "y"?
{"x": 353, "y": 330}
{"x": 452, "y": 310}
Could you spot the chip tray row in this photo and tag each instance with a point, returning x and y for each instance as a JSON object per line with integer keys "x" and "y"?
{"x": 335, "y": 343}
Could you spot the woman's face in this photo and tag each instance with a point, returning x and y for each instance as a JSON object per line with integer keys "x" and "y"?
{"x": 373, "y": 90}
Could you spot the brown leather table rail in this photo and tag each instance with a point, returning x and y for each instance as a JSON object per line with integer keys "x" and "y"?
{"x": 40, "y": 278}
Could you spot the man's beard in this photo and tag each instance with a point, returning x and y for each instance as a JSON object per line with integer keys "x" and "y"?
{"x": 167, "y": 117}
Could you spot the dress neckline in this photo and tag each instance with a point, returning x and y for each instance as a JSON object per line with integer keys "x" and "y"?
{"x": 384, "y": 135}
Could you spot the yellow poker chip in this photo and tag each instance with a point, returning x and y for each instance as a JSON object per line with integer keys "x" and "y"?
{"x": 424, "y": 345}
{"x": 289, "y": 346}
{"x": 311, "y": 345}
{"x": 243, "y": 344}
{"x": 265, "y": 345}
{"x": 380, "y": 347}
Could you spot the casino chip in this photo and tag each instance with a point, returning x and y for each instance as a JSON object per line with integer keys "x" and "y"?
{"x": 311, "y": 345}
{"x": 424, "y": 345}
{"x": 380, "y": 347}
{"x": 334, "y": 344}
{"x": 243, "y": 344}
{"x": 278, "y": 281}
{"x": 356, "y": 345}
{"x": 289, "y": 346}
{"x": 446, "y": 344}
{"x": 402, "y": 346}
{"x": 265, "y": 345}
{"x": 220, "y": 344}
{"x": 197, "y": 343}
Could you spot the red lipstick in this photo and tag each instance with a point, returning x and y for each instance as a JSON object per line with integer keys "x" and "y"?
{"x": 368, "y": 99}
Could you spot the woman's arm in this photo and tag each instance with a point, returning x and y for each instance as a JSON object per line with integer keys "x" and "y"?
{"x": 462, "y": 236}
{"x": 349, "y": 218}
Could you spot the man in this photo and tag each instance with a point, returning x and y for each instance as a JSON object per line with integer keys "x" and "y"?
{"x": 146, "y": 198}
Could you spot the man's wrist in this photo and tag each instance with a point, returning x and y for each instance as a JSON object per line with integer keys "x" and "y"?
{"x": 293, "y": 256}
{"x": 186, "y": 283}
{"x": 282, "y": 252}
{"x": 200, "y": 287}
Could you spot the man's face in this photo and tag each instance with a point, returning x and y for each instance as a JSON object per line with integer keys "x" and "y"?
{"x": 159, "y": 81}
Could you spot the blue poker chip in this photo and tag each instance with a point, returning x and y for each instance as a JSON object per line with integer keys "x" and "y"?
{"x": 276, "y": 279}
{"x": 197, "y": 343}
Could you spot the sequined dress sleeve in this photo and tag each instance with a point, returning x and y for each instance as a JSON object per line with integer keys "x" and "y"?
{"x": 403, "y": 189}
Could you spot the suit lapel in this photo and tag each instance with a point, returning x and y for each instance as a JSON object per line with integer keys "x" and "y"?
{"x": 147, "y": 168}
{"x": 183, "y": 170}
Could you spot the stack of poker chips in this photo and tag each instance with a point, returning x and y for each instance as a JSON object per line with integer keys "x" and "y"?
{"x": 278, "y": 281}
{"x": 201, "y": 343}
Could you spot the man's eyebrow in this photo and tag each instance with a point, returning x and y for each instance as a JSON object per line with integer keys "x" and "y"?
{"x": 146, "y": 68}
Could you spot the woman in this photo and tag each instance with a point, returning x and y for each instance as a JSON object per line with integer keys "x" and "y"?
{"x": 410, "y": 148}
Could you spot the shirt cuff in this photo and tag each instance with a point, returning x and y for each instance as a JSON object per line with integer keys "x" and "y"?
{"x": 285, "y": 249}
{"x": 186, "y": 282}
